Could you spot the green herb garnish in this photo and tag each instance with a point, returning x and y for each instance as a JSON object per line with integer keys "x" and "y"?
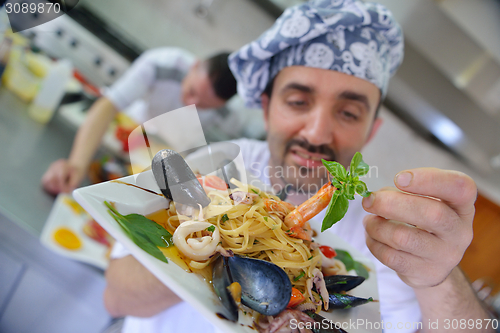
{"x": 211, "y": 228}
{"x": 265, "y": 218}
{"x": 147, "y": 234}
{"x": 254, "y": 191}
{"x": 224, "y": 218}
{"x": 297, "y": 278}
{"x": 351, "y": 264}
{"x": 347, "y": 184}
{"x": 310, "y": 257}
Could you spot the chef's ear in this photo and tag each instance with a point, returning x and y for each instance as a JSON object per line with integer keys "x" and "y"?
{"x": 265, "y": 100}
{"x": 376, "y": 125}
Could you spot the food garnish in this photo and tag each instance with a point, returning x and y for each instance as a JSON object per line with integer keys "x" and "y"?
{"x": 146, "y": 234}
{"x": 347, "y": 183}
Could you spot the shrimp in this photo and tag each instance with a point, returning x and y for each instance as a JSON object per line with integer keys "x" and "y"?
{"x": 303, "y": 232}
{"x": 311, "y": 207}
{"x": 280, "y": 208}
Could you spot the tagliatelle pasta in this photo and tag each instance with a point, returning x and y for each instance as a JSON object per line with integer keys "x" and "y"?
{"x": 252, "y": 230}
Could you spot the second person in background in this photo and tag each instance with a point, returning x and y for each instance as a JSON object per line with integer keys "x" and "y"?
{"x": 160, "y": 80}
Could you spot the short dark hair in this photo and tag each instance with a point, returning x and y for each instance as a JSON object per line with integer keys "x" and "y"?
{"x": 220, "y": 75}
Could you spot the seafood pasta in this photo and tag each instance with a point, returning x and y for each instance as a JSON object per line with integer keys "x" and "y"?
{"x": 251, "y": 223}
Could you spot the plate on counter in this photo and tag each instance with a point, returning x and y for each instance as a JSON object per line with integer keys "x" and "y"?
{"x": 70, "y": 231}
{"x": 141, "y": 195}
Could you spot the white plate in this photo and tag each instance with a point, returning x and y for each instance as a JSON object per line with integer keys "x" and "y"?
{"x": 189, "y": 286}
{"x": 62, "y": 215}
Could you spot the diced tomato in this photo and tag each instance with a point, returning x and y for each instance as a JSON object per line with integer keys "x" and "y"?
{"x": 328, "y": 251}
{"x": 296, "y": 299}
{"x": 215, "y": 182}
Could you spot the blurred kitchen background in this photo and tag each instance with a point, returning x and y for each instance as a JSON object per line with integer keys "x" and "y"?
{"x": 442, "y": 110}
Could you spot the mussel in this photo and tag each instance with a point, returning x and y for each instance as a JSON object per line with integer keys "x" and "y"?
{"x": 344, "y": 301}
{"x": 326, "y": 326}
{"x": 336, "y": 284}
{"x": 176, "y": 180}
{"x": 265, "y": 287}
{"x": 340, "y": 283}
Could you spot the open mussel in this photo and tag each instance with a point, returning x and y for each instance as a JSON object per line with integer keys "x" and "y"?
{"x": 265, "y": 287}
{"x": 176, "y": 180}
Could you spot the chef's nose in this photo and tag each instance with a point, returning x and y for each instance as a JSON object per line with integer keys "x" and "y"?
{"x": 319, "y": 127}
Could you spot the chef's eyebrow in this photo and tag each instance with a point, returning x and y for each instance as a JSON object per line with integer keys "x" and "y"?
{"x": 354, "y": 96}
{"x": 297, "y": 86}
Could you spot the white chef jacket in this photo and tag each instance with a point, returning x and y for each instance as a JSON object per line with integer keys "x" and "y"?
{"x": 152, "y": 86}
{"x": 398, "y": 303}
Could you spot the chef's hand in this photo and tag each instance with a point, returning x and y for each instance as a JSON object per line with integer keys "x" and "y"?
{"x": 432, "y": 233}
{"x": 62, "y": 176}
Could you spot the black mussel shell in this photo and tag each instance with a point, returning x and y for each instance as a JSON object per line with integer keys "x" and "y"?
{"x": 265, "y": 287}
{"x": 343, "y": 301}
{"x": 327, "y": 326}
{"x": 221, "y": 280}
{"x": 339, "y": 283}
{"x": 176, "y": 180}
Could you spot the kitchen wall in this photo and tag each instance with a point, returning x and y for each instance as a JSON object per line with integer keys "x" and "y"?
{"x": 229, "y": 24}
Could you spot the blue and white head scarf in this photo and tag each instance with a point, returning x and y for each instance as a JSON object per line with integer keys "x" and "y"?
{"x": 349, "y": 36}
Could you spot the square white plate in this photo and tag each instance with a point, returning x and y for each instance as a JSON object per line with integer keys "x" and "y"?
{"x": 62, "y": 215}
{"x": 189, "y": 286}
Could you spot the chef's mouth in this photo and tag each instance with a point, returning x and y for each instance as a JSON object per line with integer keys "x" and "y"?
{"x": 306, "y": 155}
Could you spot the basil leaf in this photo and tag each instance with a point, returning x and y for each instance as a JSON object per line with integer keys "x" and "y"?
{"x": 349, "y": 191}
{"x": 336, "y": 183}
{"x": 362, "y": 190}
{"x": 335, "y": 211}
{"x": 361, "y": 269}
{"x": 146, "y": 234}
{"x": 336, "y": 169}
{"x": 346, "y": 258}
{"x": 362, "y": 169}
{"x": 356, "y": 159}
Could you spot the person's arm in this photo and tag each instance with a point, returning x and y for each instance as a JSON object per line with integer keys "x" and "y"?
{"x": 437, "y": 209}
{"x": 65, "y": 175}
{"x": 132, "y": 290}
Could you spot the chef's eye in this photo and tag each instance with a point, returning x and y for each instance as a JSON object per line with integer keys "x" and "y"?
{"x": 297, "y": 103}
{"x": 349, "y": 116}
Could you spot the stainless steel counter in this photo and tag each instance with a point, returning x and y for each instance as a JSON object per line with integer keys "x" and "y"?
{"x": 40, "y": 289}
{"x": 26, "y": 150}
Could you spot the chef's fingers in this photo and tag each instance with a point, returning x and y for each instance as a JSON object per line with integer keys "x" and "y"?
{"x": 429, "y": 214}
{"x": 75, "y": 177}
{"x": 401, "y": 236}
{"x": 454, "y": 188}
{"x": 55, "y": 177}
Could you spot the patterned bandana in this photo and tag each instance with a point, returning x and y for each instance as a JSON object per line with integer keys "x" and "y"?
{"x": 349, "y": 36}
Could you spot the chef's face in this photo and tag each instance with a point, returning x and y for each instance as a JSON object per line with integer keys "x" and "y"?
{"x": 197, "y": 88}
{"x": 316, "y": 114}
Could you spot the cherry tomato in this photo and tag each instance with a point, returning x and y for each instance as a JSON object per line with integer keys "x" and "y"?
{"x": 296, "y": 299}
{"x": 328, "y": 251}
{"x": 215, "y": 182}
{"x": 122, "y": 134}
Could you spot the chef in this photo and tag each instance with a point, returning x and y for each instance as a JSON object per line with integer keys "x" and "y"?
{"x": 160, "y": 80}
{"x": 320, "y": 74}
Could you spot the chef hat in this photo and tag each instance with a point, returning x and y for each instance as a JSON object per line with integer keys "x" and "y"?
{"x": 349, "y": 36}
